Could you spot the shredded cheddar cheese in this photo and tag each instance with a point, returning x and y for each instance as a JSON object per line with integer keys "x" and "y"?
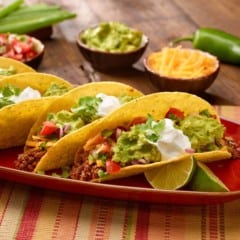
{"x": 178, "y": 62}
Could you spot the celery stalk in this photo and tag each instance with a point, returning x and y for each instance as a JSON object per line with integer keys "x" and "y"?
{"x": 32, "y": 24}
{"x": 10, "y": 7}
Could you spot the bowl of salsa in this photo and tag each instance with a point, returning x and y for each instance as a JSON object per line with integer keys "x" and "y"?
{"x": 22, "y": 47}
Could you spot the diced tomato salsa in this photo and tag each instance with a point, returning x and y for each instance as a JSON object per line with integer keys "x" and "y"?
{"x": 18, "y": 47}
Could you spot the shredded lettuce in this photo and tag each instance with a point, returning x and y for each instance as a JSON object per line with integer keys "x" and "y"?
{"x": 87, "y": 108}
{"x": 6, "y": 92}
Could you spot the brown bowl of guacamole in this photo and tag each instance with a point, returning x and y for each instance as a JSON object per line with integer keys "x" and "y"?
{"x": 111, "y": 46}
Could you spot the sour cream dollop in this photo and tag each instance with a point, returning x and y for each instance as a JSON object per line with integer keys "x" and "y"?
{"x": 108, "y": 104}
{"x": 27, "y": 94}
{"x": 172, "y": 142}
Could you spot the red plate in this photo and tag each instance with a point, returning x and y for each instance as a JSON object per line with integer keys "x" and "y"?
{"x": 133, "y": 188}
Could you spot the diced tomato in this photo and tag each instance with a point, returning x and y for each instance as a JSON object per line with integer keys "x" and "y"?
{"x": 138, "y": 120}
{"x": 17, "y": 47}
{"x": 48, "y": 128}
{"x": 228, "y": 171}
{"x": 105, "y": 147}
{"x": 12, "y": 54}
{"x": 92, "y": 142}
{"x": 27, "y": 47}
{"x": 30, "y": 55}
{"x": 174, "y": 113}
{"x": 112, "y": 167}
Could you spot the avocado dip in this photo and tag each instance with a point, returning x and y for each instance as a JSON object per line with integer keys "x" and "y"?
{"x": 112, "y": 37}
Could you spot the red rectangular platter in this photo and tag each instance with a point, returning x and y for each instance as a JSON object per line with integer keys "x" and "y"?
{"x": 131, "y": 189}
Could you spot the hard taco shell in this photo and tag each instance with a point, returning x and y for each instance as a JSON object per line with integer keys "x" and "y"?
{"x": 20, "y": 67}
{"x": 71, "y": 98}
{"x": 16, "y": 120}
{"x": 157, "y": 104}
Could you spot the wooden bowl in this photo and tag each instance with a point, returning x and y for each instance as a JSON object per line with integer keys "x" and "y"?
{"x": 111, "y": 61}
{"x": 191, "y": 85}
{"x": 30, "y": 51}
{"x": 43, "y": 34}
{"x": 36, "y": 60}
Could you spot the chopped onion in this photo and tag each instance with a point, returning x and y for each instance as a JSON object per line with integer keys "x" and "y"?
{"x": 189, "y": 150}
{"x": 60, "y": 132}
{"x": 66, "y": 127}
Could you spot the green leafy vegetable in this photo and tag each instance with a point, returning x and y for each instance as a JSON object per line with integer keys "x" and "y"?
{"x": 151, "y": 129}
{"x": 10, "y": 90}
{"x": 86, "y": 108}
{"x": 4, "y": 102}
{"x": 6, "y": 92}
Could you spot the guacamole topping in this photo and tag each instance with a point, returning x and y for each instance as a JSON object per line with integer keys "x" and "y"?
{"x": 8, "y": 71}
{"x": 112, "y": 37}
{"x": 56, "y": 90}
{"x": 153, "y": 141}
{"x": 66, "y": 120}
{"x": 136, "y": 143}
{"x": 161, "y": 140}
{"x": 87, "y": 109}
{"x": 204, "y": 132}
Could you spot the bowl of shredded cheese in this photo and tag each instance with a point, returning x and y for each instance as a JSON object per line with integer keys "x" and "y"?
{"x": 181, "y": 69}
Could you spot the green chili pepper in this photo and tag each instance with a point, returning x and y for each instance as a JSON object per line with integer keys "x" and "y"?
{"x": 224, "y": 46}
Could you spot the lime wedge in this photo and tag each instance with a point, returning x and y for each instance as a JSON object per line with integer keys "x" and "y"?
{"x": 205, "y": 180}
{"x": 172, "y": 175}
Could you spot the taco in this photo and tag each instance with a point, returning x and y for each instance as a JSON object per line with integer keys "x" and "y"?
{"x": 126, "y": 142}
{"x": 147, "y": 133}
{"x": 9, "y": 66}
{"x": 22, "y": 98}
{"x": 83, "y": 105}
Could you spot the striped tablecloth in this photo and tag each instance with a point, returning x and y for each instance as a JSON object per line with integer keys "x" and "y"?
{"x": 33, "y": 213}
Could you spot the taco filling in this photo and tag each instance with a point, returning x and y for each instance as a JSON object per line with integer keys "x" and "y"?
{"x": 59, "y": 124}
{"x": 11, "y": 94}
{"x": 8, "y": 71}
{"x": 147, "y": 141}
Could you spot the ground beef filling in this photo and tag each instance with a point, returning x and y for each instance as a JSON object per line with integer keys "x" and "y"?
{"x": 27, "y": 161}
{"x": 82, "y": 170}
{"x": 233, "y": 147}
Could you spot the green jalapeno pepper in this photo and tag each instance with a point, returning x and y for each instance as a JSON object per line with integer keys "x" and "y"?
{"x": 225, "y": 46}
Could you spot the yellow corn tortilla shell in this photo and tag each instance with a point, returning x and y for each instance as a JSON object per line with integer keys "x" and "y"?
{"x": 157, "y": 104}
{"x": 16, "y": 120}
{"x": 19, "y": 66}
{"x": 71, "y": 98}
